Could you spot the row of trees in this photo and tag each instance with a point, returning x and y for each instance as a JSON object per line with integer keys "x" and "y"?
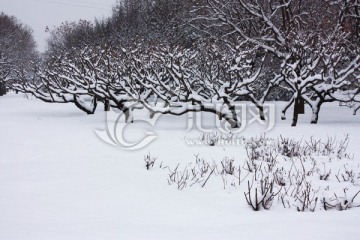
{"x": 180, "y": 56}
{"x": 143, "y": 21}
{"x": 161, "y": 79}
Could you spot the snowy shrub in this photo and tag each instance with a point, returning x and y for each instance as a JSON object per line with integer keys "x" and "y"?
{"x": 197, "y": 173}
{"x": 210, "y": 139}
{"x": 280, "y": 177}
{"x": 149, "y": 161}
{"x": 306, "y": 198}
{"x": 342, "y": 148}
{"x": 328, "y": 147}
{"x": 288, "y": 147}
{"x": 259, "y": 148}
{"x": 217, "y": 138}
{"x": 340, "y": 203}
{"x": 261, "y": 194}
{"x": 179, "y": 177}
{"x": 325, "y": 174}
{"x": 227, "y": 166}
{"x": 346, "y": 175}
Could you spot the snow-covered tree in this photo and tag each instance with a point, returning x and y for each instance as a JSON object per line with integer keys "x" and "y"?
{"x": 307, "y": 38}
{"x": 17, "y": 50}
{"x": 178, "y": 80}
{"x": 153, "y": 22}
{"x": 60, "y": 80}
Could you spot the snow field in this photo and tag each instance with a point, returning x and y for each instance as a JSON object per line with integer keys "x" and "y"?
{"x": 59, "y": 181}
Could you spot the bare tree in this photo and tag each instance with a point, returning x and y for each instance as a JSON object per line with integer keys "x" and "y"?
{"x": 315, "y": 58}
{"x": 61, "y": 79}
{"x": 17, "y": 50}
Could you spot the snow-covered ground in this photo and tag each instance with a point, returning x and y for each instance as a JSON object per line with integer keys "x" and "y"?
{"x": 58, "y": 180}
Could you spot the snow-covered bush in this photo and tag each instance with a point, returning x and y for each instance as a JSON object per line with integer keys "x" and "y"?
{"x": 262, "y": 195}
{"x": 149, "y": 161}
{"x": 340, "y": 203}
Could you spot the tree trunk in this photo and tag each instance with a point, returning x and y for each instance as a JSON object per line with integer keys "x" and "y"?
{"x": 230, "y": 116}
{"x": 301, "y": 105}
{"x": 261, "y": 112}
{"x": 296, "y": 112}
{"x": 283, "y": 116}
{"x": 315, "y": 118}
{"x": 2, "y": 89}
{"x": 129, "y": 118}
{"x": 235, "y": 123}
{"x": 315, "y": 115}
{"x": 106, "y": 106}
{"x": 80, "y": 103}
{"x": 357, "y": 107}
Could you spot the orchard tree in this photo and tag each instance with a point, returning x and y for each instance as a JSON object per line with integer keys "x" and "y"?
{"x": 309, "y": 41}
{"x": 70, "y": 37}
{"x": 154, "y": 22}
{"x": 17, "y": 50}
{"x": 62, "y": 79}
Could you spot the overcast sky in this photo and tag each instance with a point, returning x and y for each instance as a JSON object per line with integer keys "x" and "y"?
{"x": 41, "y": 13}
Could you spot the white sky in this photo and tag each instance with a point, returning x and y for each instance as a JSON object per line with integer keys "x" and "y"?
{"x": 38, "y": 14}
